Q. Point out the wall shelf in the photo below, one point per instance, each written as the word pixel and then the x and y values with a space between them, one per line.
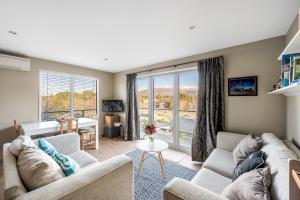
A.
pixel 292 47
pixel 292 90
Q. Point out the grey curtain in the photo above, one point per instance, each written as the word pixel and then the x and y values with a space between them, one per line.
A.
pixel 132 126
pixel 210 107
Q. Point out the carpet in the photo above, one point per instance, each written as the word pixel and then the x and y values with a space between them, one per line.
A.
pixel 150 184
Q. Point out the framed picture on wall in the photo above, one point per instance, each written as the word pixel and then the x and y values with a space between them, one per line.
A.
pixel 242 86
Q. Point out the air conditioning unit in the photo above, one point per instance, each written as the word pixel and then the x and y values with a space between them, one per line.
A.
pixel 14 63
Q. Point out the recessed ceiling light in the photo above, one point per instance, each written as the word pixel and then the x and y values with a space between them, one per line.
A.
pixel 192 27
pixel 12 32
pixel 105 59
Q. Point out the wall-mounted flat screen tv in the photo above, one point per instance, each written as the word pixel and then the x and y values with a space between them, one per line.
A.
pixel 112 106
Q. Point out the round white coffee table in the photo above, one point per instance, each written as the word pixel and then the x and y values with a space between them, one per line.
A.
pixel 152 148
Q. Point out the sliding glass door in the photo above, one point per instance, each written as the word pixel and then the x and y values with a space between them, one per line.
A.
pixel 188 82
pixel 169 101
pixel 143 88
pixel 164 106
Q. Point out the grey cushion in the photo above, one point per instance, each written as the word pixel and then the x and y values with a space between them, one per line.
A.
pixel 253 185
pixel 245 147
pixel 254 161
pixel 211 180
pixel 83 158
pixel 37 169
pixel 220 161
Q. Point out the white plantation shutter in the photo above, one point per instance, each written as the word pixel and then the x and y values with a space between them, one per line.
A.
pixel 63 94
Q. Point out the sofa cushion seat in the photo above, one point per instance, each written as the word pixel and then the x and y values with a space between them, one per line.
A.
pixel 220 161
pixel 83 158
pixel 211 180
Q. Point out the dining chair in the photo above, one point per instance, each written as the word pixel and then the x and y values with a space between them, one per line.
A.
pixel 69 122
pixel 17 127
pixel 88 135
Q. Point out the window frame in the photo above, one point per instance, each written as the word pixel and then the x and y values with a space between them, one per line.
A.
pixel 71 90
pixel 176 110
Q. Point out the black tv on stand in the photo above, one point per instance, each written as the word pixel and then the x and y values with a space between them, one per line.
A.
pixel 112 106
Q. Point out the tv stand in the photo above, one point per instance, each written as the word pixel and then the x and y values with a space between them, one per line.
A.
pixel 110 130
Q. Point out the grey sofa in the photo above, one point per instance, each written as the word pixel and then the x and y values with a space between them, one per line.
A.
pixel 111 179
pixel 216 172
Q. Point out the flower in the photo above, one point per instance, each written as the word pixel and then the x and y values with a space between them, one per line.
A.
pixel 150 129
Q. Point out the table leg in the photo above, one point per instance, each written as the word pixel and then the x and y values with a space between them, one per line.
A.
pixel 141 162
pixel 97 135
pixel 162 158
pixel 161 161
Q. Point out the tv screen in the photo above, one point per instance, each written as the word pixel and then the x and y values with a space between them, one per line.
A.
pixel 112 106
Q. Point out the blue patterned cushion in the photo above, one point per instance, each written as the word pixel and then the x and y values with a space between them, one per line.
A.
pixel 47 147
pixel 68 165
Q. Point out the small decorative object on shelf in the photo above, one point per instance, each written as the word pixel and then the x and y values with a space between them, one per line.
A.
pixel 277 85
pixel 150 130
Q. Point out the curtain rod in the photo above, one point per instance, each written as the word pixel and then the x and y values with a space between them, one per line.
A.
pixel 150 70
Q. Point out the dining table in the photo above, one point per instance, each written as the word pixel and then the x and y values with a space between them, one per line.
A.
pixel 40 128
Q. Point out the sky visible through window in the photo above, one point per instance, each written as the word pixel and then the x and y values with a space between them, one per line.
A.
pixel 188 80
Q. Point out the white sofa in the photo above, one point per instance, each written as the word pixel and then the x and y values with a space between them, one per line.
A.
pixel 216 172
pixel 111 179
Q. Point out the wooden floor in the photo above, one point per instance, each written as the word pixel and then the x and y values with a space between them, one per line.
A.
pixel 109 148
pixel 112 147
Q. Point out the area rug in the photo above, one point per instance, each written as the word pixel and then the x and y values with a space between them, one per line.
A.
pixel 149 185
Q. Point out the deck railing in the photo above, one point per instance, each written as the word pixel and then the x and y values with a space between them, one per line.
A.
pixel 53 115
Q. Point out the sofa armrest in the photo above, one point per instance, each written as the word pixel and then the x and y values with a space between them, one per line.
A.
pixel 180 189
pixel 66 143
pixel 12 183
pixel 111 179
pixel 228 141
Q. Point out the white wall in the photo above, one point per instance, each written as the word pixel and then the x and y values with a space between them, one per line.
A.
pixel 19 93
pixel 293 119
pixel 262 113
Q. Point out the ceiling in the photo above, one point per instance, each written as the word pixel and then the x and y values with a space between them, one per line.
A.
pixel 134 33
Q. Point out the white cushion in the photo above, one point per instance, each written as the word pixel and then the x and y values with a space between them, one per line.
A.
pixel 37 169
pixel 291 146
pixel 83 158
pixel 220 161
pixel 20 143
pixel 270 138
pixel 278 160
pixel 211 180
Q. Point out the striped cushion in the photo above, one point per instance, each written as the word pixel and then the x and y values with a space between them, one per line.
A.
pixel 68 165
pixel 47 147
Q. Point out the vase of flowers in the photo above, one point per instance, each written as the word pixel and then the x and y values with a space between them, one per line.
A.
pixel 150 130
